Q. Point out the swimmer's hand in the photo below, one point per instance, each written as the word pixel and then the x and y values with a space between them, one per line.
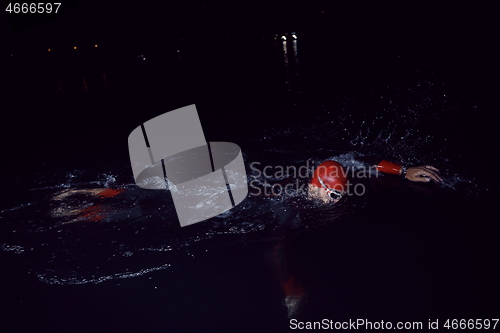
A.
pixel 423 173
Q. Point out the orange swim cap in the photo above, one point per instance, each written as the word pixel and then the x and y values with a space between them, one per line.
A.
pixel 332 174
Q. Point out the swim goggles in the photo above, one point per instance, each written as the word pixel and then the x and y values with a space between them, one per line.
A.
pixel 334 194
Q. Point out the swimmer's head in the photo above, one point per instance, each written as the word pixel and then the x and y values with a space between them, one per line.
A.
pixel 329 181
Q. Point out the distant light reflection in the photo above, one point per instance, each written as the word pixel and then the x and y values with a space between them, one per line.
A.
pixel 291 62
pixel 285 53
pixel 295 55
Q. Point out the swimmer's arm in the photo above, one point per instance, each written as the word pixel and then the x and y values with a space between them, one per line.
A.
pixel 423 173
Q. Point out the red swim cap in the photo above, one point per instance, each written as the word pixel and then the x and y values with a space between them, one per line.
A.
pixel 332 174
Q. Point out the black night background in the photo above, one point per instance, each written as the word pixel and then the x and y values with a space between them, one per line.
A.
pixel 288 82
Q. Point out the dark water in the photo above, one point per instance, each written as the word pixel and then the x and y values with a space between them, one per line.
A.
pixel 402 251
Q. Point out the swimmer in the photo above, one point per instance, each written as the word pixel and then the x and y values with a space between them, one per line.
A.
pixel 329 182
pixel 92 211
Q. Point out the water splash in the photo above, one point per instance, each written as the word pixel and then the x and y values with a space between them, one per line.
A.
pixel 139 232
